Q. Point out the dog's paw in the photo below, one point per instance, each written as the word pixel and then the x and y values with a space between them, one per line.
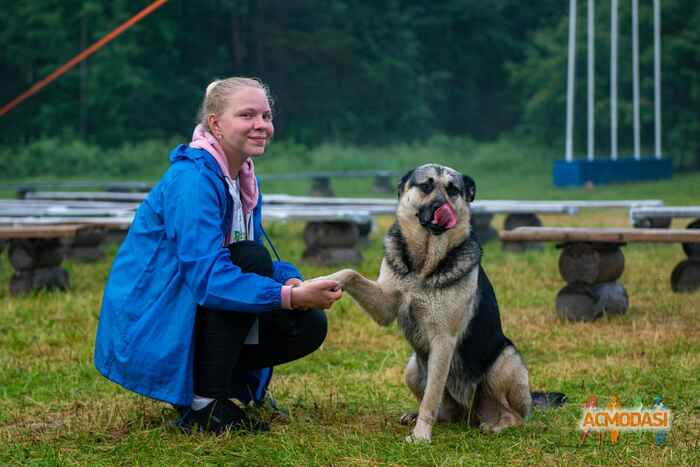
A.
pixel 341 277
pixel 408 418
pixel 422 433
pixel 488 428
pixel 415 438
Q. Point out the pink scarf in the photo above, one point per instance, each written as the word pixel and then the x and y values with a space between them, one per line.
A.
pixel 202 139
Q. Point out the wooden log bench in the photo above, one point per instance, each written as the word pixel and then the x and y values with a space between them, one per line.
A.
pixel 86 245
pixel 22 189
pixel 592 261
pixel 332 236
pixel 661 216
pixel 113 217
pixel 321 180
pixel 519 213
pixel 35 253
pixel 523 218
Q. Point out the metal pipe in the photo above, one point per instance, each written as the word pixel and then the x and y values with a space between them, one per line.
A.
pixel 591 80
pixel 613 79
pixel 570 83
pixel 635 76
pixel 657 79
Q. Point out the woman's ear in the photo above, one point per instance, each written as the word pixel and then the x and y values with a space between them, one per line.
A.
pixel 213 124
pixel 469 188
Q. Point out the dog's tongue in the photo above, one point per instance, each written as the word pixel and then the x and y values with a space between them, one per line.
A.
pixel 445 216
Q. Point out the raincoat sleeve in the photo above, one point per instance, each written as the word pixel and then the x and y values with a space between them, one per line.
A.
pixel 282 271
pixel 193 212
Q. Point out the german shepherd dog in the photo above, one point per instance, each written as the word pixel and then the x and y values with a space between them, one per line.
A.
pixel 431 281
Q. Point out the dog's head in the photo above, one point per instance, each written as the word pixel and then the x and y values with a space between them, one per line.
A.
pixel 437 196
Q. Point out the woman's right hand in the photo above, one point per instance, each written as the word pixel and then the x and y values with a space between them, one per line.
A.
pixel 320 293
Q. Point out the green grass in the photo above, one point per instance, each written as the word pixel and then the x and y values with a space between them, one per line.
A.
pixel 346 398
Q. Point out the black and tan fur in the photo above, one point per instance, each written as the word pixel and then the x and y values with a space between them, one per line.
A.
pixel 432 282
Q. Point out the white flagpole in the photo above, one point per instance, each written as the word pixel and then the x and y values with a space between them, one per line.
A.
pixel 591 81
pixel 570 83
pixel 635 75
pixel 613 79
pixel 657 79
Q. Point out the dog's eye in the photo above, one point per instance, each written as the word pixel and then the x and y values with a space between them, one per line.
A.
pixel 452 190
pixel 427 186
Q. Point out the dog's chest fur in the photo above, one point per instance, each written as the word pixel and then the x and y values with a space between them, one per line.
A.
pixel 441 302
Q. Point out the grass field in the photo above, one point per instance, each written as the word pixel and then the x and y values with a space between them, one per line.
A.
pixel 346 399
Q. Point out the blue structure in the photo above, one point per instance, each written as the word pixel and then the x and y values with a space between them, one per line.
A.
pixel 605 171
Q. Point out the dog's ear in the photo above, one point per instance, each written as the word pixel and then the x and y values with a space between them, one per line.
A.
pixel 402 184
pixel 469 188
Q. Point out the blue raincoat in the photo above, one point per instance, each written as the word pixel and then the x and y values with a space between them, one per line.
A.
pixel 172 260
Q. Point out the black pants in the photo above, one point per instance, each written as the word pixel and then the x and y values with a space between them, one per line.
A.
pixel 283 335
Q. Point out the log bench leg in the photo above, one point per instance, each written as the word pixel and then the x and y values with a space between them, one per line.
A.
pixel 116 236
pixel 37 265
pixel 332 242
pixel 364 229
pixel 686 275
pixel 653 223
pixel 481 224
pixel 382 184
pixel 321 186
pixel 590 271
pixel 85 247
pixel 521 220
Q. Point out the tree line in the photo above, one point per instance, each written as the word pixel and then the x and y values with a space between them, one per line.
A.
pixel 357 72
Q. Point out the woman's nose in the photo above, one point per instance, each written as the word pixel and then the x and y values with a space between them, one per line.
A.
pixel 261 122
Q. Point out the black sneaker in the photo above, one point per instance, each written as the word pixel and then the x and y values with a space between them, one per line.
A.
pixel 218 416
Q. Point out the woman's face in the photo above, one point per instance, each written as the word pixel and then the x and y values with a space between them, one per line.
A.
pixel 245 127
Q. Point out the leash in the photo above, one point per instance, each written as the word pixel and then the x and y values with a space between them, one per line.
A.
pixel 269 242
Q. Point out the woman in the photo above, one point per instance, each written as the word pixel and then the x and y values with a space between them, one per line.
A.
pixel 195 312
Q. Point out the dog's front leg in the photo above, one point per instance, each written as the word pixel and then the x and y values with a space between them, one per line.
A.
pixel 441 351
pixel 379 300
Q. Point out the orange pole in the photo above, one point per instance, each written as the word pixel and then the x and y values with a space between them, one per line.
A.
pixel 81 56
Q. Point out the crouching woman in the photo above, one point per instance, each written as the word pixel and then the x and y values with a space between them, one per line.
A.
pixel 195 312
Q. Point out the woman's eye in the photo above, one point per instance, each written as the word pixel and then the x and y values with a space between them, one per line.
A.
pixel 267 117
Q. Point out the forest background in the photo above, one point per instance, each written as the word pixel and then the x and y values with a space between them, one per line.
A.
pixel 351 73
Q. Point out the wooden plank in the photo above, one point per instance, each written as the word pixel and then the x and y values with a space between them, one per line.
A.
pixel 72 184
pixel 86 196
pixel 666 212
pixel 59 211
pixel 106 222
pixel 388 206
pixel 330 174
pixel 328 215
pixel 607 235
pixel 76 204
pixel 31 232
pixel 587 204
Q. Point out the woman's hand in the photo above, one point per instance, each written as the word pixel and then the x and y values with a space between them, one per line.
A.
pixel 320 293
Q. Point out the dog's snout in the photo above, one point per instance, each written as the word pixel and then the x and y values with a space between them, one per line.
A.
pixel 427 211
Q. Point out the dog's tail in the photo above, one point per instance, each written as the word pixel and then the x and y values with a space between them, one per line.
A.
pixel 546 400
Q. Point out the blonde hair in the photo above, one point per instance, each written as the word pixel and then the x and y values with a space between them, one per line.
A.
pixel 219 91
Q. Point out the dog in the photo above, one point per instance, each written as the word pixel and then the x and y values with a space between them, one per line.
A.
pixel 431 281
